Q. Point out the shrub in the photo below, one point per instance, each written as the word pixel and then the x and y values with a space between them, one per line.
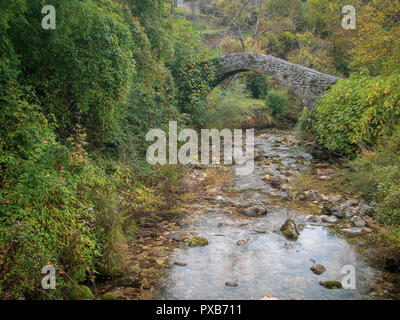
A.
pixel 305 130
pixel 258 86
pixel 81 73
pixel 377 175
pixel 277 102
pixel 226 109
pixel 356 112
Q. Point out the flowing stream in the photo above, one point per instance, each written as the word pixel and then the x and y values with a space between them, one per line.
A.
pixel 267 263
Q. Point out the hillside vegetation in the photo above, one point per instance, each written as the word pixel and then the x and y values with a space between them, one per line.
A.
pixel 76 104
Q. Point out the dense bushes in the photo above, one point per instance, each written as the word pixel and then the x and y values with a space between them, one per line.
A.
pixel 377 175
pixel 359 118
pixel 76 103
pixel 80 72
pixel 226 108
pixel 257 85
pixel 356 112
pixel 277 102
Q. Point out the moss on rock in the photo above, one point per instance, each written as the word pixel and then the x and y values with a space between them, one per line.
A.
pixel 81 292
pixel 198 242
pixel 332 284
pixel 289 230
pixel 109 296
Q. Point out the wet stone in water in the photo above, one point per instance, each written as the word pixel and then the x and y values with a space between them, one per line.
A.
pixel 318 269
pixel 232 284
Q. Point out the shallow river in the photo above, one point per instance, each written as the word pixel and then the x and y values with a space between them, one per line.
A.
pixel 268 264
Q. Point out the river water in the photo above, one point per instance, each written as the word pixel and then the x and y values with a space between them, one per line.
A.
pixel 267 264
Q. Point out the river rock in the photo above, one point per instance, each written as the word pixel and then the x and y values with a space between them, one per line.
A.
pixel 289 230
pixel 212 191
pixel 180 264
pixel 351 203
pixel 318 269
pixel 311 218
pixel 326 210
pixel 332 284
pixel 198 242
pixel 242 242
pixel 330 219
pixel 238 204
pixel 347 215
pixel 255 211
pixel 335 199
pixel 363 209
pixel 301 197
pixel 266 177
pixel 358 222
pixel 259 231
pixel 313 195
pixel 337 211
pixel 260 158
pixel 353 231
pixel 233 284
pixel 277 181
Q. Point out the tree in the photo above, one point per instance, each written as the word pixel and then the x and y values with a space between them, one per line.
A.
pixel 378 43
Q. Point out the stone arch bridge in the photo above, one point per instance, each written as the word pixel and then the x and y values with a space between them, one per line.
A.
pixel 308 84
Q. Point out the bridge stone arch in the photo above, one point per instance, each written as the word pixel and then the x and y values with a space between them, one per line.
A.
pixel 308 84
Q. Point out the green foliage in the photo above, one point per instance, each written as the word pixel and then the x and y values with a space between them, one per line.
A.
pixel 191 73
pixel 76 103
pixel 359 118
pixel 81 292
pixel 356 112
pixel 81 71
pixel 226 109
pixel 277 102
pixel 257 85
pixel 42 218
pixel 305 129
pixel 377 175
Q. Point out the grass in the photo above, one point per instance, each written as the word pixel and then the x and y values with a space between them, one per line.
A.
pixel 210 32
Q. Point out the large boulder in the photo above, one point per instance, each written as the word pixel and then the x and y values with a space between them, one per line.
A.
pixel 289 230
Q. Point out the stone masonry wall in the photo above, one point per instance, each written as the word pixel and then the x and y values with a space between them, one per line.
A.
pixel 306 83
